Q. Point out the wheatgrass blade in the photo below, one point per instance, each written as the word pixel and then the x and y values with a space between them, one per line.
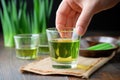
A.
pixel 8 36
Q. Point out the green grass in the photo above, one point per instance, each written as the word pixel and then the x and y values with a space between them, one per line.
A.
pixel 18 21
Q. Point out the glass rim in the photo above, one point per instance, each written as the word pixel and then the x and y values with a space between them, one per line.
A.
pixel 26 35
pixel 55 30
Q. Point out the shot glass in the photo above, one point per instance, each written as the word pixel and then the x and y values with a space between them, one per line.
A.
pixel 43 45
pixel 26 46
pixel 64 48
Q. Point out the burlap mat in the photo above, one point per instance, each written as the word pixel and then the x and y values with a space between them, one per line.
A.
pixel 86 67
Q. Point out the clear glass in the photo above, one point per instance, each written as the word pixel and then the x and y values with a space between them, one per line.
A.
pixel 43 46
pixel 64 48
pixel 26 46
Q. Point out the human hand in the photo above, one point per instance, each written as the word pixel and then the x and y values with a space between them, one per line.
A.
pixel 78 13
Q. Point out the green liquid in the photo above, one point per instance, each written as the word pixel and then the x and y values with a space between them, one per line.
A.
pixel 64 50
pixel 43 49
pixel 30 53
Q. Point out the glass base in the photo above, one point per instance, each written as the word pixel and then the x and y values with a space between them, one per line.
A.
pixel 64 65
pixel 27 57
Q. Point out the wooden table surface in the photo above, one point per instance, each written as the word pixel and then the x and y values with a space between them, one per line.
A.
pixel 9 68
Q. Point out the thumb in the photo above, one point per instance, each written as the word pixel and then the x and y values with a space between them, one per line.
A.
pixel 83 21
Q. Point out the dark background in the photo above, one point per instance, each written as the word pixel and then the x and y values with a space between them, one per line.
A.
pixel 108 20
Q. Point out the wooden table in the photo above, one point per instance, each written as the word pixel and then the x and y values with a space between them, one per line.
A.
pixel 9 68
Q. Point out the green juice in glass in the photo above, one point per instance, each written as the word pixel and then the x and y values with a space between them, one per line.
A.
pixel 26 53
pixel 43 49
pixel 64 51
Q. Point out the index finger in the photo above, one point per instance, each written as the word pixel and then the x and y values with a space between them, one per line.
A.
pixel 61 15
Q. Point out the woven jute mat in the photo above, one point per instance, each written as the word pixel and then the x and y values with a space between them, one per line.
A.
pixel 86 66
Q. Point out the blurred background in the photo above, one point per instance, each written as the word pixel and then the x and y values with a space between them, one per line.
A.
pixel 108 20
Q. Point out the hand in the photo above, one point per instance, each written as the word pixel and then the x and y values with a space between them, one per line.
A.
pixel 78 13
